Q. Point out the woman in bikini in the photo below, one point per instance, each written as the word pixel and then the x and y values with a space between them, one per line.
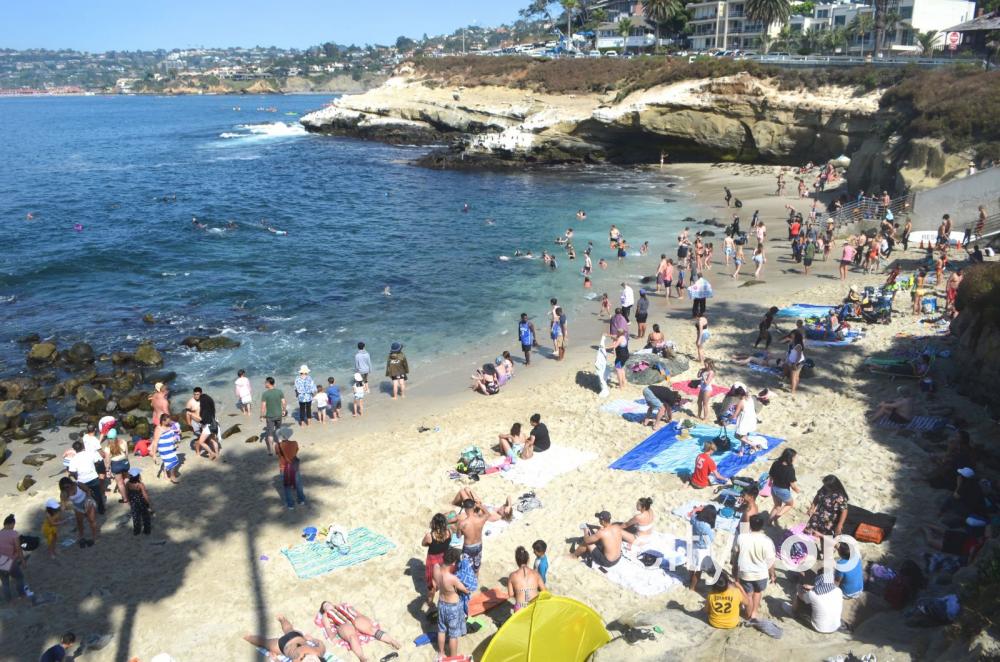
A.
pixel 655 339
pixel 641 524
pixel 701 336
pixel 347 623
pixel 512 444
pixel 292 644
pixel 524 583
pixel 436 541
pixel 706 376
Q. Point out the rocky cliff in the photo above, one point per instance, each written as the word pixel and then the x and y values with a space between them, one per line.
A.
pixel 732 118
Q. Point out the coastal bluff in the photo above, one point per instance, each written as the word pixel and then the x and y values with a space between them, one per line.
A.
pixel 732 118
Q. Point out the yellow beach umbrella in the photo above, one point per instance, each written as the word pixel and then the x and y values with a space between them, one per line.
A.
pixel 551 628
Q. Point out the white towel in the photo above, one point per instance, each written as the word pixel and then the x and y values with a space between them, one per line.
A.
pixel 729 524
pixel 633 575
pixel 543 467
pixel 673 549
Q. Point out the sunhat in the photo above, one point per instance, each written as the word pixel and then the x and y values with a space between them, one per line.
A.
pixel 303 369
pixel 396 347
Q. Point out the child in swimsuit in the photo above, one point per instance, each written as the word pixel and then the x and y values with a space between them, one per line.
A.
pixel 50 527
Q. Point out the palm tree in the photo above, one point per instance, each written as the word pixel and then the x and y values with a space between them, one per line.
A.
pixel 889 24
pixel 768 12
pixel 928 41
pixel 568 6
pixel 766 41
pixel 661 11
pixel 624 28
pixel 860 27
pixel 881 7
pixel 836 38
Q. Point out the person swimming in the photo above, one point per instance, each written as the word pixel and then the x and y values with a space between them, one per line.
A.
pixel 387 292
pixel 466 208
pixel 78 227
pixel 196 225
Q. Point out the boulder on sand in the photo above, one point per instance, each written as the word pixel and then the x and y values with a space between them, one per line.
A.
pixel 10 411
pixel 146 355
pixel 42 353
pixel 25 483
pixel 37 459
pixel 231 431
pixel 90 400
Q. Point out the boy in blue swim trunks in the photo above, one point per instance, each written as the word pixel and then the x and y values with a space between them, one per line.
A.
pixel 451 614
pixel 333 395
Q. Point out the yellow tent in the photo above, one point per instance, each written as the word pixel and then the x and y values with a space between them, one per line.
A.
pixel 552 628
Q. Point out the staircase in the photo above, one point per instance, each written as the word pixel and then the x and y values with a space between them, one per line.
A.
pixel 865 214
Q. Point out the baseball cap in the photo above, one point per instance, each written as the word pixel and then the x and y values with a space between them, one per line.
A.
pixel 52 503
pixel 966 472
pixel 603 516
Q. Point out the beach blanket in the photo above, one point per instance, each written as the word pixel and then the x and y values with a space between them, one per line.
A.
pixel 329 657
pixel 312 559
pixel 917 423
pixel 729 524
pixel 631 574
pixel 482 601
pixel 671 549
pixel 664 452
pixel 766 369
pixel 633 411
pixel 805 310
pixel 684 386
pixel 818 337
pixel 544 466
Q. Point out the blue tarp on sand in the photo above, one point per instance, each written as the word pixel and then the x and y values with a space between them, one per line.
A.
pixel 805 310
pixel 663 452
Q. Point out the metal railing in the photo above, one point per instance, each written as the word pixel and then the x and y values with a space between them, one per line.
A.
pixel 854 61
pixel 857 216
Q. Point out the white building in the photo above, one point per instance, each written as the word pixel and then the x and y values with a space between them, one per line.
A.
pixel 914 15
pixel 642 36
pixel 723 24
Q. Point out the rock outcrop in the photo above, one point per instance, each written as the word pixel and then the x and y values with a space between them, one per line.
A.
pixel 210 343
pixel 735 118
pixel 147 356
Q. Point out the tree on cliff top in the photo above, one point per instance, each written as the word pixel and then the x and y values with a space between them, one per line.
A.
pixel 624 28
pixel 768 12
pixel 569 6
pixel 660 12
pixel 928 41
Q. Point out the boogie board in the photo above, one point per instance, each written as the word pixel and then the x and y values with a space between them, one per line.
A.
pixel 482 601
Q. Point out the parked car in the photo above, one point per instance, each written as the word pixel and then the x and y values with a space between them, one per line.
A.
pixel 610 53
pixel 594 53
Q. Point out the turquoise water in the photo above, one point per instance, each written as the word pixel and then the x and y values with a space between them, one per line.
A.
pixel 358 218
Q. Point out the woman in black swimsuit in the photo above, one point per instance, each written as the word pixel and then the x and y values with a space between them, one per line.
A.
pixel 292 644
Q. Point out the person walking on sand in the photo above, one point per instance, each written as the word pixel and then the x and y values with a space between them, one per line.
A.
pixel 201 417
pixel 846 258
pixel 729 195
pixel 642 313
pixel 291 477
pixel 526 334
pixel 139 504
pixel 627 299
pixel 759 260
pixel 705 378
pixel 166 436
pixel 451 615
pixel 272 409
pixel 661 274
pixel 397 369
pixel 10 549
pixel 160 401
pixel 738 261
pixel 363 364
pixel 305 390
pixel 701 336
pixel 244 394
pixel 436 540
pixel 756 558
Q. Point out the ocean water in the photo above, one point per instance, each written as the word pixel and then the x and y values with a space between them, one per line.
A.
pixel 104 248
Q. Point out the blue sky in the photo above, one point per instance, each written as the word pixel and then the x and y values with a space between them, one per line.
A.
pixel 101 25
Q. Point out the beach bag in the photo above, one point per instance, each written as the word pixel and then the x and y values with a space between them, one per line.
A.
pixel 30 543
pixel 869 533
pixel 6 563
pixel 470 454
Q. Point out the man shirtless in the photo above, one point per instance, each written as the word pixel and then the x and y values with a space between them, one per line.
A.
pixel 160 400
pixel 292 644
pixel 200 415
pixel 603 545
pixel 470 525
pixel 451 615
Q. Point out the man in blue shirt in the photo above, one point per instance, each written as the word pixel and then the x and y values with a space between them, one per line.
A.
pixel 849 574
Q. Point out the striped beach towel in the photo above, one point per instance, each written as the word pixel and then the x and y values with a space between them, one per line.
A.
pixel 917 423
pixel 312 559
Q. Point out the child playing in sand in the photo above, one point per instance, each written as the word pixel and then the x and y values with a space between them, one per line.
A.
pixel 320 402
pixel 605 306
pixel 359 395
pixel 333 396
pixel 50 527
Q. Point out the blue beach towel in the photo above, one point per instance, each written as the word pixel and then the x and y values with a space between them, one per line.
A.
pixel 663 452
pixel 766 369
pixel 805 310
pixel 467 575
pixel 312 559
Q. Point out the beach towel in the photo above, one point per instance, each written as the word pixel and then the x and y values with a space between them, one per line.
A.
pixel 917 423
pixel 805 310
pixel 329 657
pixel 544 466
pixel 671 550
pixel 631 574
pixel 766 369
pixel 664 452
pixel 467 575
pixel 312 559
pixel 684 386
pixel 729 524
pixel 633 411
pixel 481 602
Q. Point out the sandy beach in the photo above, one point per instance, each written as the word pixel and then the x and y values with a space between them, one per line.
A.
pixel 213 568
